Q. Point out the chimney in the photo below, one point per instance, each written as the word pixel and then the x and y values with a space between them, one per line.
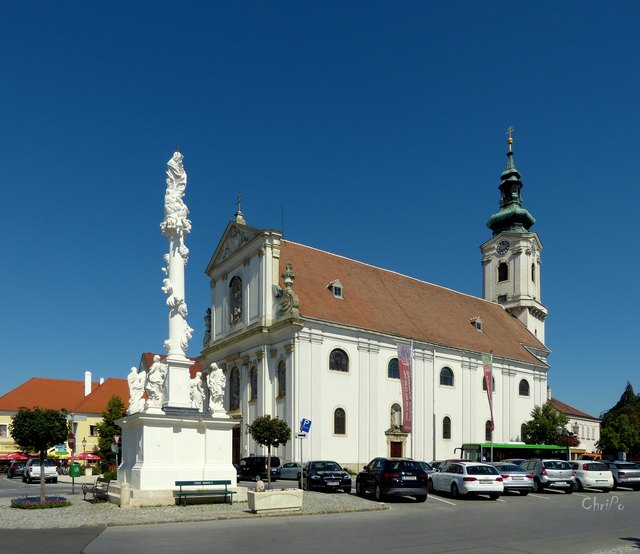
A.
pixel 101 380
pixel 87 383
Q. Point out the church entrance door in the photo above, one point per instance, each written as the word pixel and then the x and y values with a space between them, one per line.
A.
pixel 396 449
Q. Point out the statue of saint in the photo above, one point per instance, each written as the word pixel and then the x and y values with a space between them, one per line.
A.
pixel 155 382
pixel 136 390
pixel 196 391
pixel 216 382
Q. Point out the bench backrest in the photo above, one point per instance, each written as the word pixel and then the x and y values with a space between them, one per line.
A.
pixel 201 483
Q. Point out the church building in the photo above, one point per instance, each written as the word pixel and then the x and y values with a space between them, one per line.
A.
pixel 304 333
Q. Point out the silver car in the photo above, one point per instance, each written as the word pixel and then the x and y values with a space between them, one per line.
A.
pixel 515 478
pixel 551 474
pixel 291 470
pixel 625 474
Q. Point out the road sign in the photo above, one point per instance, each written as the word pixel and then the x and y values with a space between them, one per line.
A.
pixel 305 425
pixel 116 438
pixel 301 435
pixel 71 439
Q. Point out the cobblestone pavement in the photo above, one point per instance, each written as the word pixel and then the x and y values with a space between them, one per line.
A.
pixel 86 514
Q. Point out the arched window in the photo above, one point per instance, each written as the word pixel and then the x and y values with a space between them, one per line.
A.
pixel 446 428
pixel 235 299
pixel 493 383
pixel 396 416
pixel 446 377
pixel 282 378
pixel 487 431
pixel 393 370
pixel 533 272
pixel 339 422
pixel 523 388
pixel 523 427
pixel 503 271
pixel 253 383
pixel 234 389
pixel 338 360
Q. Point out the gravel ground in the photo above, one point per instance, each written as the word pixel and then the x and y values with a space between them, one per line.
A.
pixel 86 514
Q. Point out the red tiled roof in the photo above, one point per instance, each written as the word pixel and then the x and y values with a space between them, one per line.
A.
pixel 97 401
pixel 390 303
pixel 570 410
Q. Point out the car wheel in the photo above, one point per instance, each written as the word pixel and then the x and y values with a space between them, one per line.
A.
pixel 494 496
pixel 569 490
pixel 579 486
pixel 378 493
pixel 9 476
pixel 606 489
pixel 524 493
pixel 455 493
pixel 636 488
pixel 615 485
pixel 430 485
pixel 24 479
pixel 55 480
pixel 538 486
pixel 421 498
pixel 347 490
pixel 359 489
pixel 29 480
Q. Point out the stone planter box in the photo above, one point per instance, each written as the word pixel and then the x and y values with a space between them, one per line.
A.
pixel 280 500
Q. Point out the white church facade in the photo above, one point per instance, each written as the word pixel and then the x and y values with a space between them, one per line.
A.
pixel 303 333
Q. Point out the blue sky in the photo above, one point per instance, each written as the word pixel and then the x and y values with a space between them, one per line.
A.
pixel 375 130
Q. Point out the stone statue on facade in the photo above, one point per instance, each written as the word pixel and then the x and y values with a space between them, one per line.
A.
pixel 216 382
pixel 196 391
pixel 207 328
pixel 289 302
pixel 155 382
pixel 136 390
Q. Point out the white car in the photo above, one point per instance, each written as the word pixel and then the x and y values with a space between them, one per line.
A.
pixel 594 475
pixel 459 478
pixel 31 471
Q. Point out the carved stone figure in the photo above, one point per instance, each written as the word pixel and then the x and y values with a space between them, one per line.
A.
pixel 396 417
pixel 207 328
pixel 216 382
pixel 175 221
pixel 289 302
pixel 196 391
pixel 136 390
pixel 155 382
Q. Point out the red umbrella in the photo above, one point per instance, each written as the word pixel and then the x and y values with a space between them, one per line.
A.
pixel 14 456
pixel 89 456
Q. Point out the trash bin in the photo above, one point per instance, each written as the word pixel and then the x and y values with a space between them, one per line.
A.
pixel 75 470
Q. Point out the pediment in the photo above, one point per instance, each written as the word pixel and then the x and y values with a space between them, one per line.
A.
pixel 234 238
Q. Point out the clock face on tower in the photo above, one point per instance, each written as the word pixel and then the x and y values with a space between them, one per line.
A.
pixel 502 247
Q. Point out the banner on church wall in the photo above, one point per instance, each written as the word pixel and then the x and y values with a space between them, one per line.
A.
pixel 487 363
pixel 406 367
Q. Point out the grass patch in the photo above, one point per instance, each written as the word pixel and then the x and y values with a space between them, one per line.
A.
pixel 33 502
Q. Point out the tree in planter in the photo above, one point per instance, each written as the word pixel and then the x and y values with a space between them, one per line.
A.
pixel 543 427
pixel 39 429
pixel 269 432
pixel 107 428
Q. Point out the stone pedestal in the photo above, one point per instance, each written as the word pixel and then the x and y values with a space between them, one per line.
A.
pixel 159 449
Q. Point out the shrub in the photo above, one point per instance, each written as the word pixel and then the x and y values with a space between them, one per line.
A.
pixel 34 502
pixel 111 474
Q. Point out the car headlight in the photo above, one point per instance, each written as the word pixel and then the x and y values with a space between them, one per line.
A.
pixel 315 477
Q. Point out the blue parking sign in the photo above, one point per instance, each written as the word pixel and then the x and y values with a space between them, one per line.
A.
pixel 305 425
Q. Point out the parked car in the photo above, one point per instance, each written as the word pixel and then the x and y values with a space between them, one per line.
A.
pixel 427 467
pixel 553 474
pixel 595 475
pixel 393 476
pixel 516 461
pixel 625 474
pixel 15 469
pixel 435 464
pixel 325 475
pixel 291 470
pixel 514 478
pixel 460 478
pixel 31 471
pixel 254 468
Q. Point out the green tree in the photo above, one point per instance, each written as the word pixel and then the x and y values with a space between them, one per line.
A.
pixel 107 428
pixel 37 430
pixel 543 426
pixel 269 432
pixel 620 427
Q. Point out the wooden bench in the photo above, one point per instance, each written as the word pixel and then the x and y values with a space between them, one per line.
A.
pixel 100 490
pixel 184 492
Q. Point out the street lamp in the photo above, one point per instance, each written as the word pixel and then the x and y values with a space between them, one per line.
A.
pixel 84 445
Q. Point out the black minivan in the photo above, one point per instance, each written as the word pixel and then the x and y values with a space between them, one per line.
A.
pixel 254 468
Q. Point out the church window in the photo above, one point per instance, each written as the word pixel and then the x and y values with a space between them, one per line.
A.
pixel 235 299
pixel 523 428
pixel 282 379
pixel 502 298
pixel 446 377
pixel 393 370
pixel 234 388
pixel 338 360
pixel 533 272
pixel 523 388
pixel 396 416
pixel 493 383
pixel 339 422
pixel 446 428
pixel 487 431
pixel 253 383
pixel 503 272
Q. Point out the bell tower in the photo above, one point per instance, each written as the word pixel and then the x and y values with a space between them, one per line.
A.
pixel 511 257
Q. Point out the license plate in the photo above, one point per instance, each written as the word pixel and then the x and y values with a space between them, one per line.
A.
pixel 409 477
pixel 559 484
pixel 518 478
pixel 333 483
pixel 601 480
pixel 485 482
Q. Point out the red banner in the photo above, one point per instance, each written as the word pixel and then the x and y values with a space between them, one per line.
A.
pixel 487 363
pixel 405 366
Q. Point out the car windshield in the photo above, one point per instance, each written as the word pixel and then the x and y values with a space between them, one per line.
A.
pixel 403 465
pixel 325 466
pixel 481 470
pixel 556 464
pixel 597 466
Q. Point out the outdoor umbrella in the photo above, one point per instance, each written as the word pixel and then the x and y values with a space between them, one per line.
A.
pixel 89 456
pixel 14 456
